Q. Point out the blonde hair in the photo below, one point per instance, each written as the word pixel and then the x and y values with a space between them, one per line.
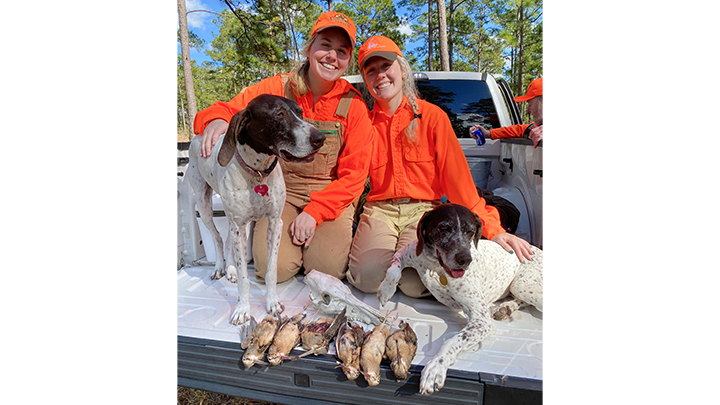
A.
pixel 410 91
pixel 298 77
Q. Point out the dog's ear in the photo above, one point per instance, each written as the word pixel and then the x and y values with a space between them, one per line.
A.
pixel 421 228
pixel 229 145
pixel 478 229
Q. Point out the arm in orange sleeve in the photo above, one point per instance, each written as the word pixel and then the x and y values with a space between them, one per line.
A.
pixel 352 170
pixel 225 110
pixel 512 131
pixel 455 177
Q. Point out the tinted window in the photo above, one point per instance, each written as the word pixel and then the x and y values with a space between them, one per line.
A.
pixel 466 102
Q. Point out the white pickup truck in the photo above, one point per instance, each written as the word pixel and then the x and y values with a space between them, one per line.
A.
pixel 507 369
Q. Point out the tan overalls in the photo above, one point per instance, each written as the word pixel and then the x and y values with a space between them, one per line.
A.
pixel 329 249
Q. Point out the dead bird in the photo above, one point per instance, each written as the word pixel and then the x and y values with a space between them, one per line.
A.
pixel 260 339
pixel 317 336
pixel 348 343
pixel 400 349
pixel 372 353
pixel 287 337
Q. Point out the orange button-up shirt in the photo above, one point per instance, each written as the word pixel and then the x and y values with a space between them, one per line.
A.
pixel 433 167
pixel 358 134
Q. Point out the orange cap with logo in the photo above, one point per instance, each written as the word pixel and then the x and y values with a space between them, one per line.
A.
pixel 335 19
pixel 378 46
pixel 534 90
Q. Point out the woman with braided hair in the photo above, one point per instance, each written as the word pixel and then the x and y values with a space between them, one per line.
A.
pixel 416 159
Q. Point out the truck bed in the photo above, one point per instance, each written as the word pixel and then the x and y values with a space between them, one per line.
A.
pixel 506 369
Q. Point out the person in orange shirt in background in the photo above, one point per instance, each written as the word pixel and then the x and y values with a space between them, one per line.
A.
pixel 319 210
pixel 416 160
pixel 532 131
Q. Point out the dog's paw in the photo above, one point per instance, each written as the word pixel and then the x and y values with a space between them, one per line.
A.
pixel 218 274
pixel 432 378
pixel 501 313
pixel 232 274
pixel 385 292
pixel 389 285
pixel 241 314
pixel 274 306
pixel 504 311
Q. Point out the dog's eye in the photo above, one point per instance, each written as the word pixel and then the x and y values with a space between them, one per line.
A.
pixel 280 113
pixel 326 298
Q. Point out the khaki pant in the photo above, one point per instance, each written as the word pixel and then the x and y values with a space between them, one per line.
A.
pixel 329 249
pixel 384 228
pixel 327 253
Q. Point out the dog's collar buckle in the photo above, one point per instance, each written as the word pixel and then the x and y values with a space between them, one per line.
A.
pixel 257 174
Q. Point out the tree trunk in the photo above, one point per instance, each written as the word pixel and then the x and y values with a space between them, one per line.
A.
pixel 451 37
pixel 479 51
pixel 187 66
pixel 519 59
pixel 430 37
pixel 442 28
pixel 182 109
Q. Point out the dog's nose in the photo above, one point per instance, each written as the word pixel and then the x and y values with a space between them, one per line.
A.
pixel 463 259
pixel 316 138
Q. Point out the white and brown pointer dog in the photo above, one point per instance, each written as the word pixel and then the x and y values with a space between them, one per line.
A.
pixel 251 186
pixel 465 273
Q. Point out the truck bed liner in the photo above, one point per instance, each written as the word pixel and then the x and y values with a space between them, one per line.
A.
pixel 508 364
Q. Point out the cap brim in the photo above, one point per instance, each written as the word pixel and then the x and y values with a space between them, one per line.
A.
pixel 391 56
pixel 523 98
pixel 352 40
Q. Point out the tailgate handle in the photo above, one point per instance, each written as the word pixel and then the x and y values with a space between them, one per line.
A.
pixel 301 380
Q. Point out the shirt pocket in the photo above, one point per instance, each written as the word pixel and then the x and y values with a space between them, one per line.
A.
pixel 379 158
pixel 419 165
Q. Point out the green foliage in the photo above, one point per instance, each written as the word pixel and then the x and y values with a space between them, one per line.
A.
pixel 501 37
pixel 521 29
pixel 371 17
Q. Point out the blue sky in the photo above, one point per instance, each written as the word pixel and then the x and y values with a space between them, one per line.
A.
pixel 201 24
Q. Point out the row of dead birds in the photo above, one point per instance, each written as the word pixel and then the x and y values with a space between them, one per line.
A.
pixel 359 352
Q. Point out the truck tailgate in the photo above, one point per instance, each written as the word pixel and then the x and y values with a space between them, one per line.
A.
pixel 209 351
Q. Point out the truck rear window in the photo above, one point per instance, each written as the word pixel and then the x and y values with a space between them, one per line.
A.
pixel 466 102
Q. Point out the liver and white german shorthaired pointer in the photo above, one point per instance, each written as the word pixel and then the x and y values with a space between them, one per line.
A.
pixel 465 273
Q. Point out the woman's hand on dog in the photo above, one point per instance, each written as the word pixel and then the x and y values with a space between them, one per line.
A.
pixel 513 244
pixel 303 229
pixel 212 132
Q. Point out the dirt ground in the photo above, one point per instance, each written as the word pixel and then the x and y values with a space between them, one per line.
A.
pixel 183 136
pixel 190 396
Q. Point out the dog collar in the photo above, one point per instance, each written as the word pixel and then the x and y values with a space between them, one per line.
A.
pixel 257 174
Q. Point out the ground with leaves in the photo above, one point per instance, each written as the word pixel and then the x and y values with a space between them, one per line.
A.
pixel 190 396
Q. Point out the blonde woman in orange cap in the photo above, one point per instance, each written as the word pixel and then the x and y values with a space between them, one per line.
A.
pixel 416 160
pixel 318 215
pixel 532 131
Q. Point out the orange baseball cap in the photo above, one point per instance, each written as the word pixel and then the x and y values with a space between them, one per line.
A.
pixel 534 90
pixel 335 19
pixel 378 46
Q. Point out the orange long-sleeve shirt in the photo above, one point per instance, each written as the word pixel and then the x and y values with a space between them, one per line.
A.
pixel 512 131
pixel 358 134
pixel 433 167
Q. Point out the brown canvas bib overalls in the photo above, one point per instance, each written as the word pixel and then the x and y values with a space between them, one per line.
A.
pixel 330 247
